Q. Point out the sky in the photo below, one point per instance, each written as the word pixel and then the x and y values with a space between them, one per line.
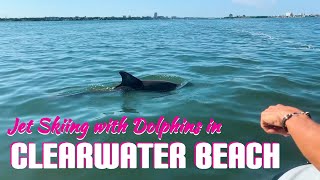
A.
pixel 180 8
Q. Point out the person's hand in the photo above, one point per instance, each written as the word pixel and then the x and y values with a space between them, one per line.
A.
pixel 271 118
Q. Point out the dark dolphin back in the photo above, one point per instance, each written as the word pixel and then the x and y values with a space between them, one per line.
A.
pixel 129 82
pixel 162 86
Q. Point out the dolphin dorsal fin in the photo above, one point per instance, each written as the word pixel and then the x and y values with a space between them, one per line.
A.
pixel 130 80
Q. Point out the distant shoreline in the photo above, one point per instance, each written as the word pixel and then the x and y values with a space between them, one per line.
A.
pixel 77 18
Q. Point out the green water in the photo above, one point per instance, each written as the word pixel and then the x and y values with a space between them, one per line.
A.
pixel 237 68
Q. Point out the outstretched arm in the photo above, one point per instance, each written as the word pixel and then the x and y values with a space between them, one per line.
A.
pixel 304 131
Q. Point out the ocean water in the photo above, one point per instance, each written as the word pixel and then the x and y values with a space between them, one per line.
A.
pixel 234 70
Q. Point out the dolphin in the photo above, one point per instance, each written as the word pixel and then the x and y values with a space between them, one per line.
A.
pixel 129 82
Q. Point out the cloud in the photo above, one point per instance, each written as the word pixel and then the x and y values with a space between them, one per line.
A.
pixel 255 3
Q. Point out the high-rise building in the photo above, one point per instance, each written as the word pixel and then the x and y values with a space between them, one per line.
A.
pixel 155 16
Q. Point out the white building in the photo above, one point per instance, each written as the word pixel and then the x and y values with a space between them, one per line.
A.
pixel 289 14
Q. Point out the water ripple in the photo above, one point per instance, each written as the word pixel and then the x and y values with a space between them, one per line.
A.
pixel 237 68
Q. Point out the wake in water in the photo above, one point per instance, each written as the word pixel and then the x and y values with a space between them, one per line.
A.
pixel 109 88
pixel 76 91
pixel 293 44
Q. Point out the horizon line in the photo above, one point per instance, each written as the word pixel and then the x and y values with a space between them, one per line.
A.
pixel 162 16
